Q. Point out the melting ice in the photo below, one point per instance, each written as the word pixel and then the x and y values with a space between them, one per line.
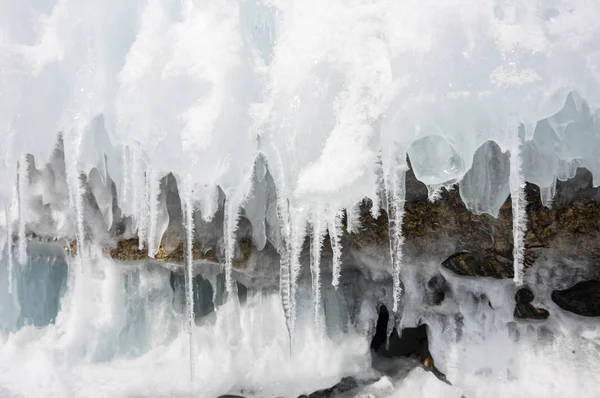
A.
pixel 102 101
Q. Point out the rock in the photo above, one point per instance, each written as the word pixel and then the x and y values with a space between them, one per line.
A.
pixel 345 385
pixel 582 299
pixel 524 296
pixel 436 289
pixel 486 265
pixel 524 309
pixel 528 311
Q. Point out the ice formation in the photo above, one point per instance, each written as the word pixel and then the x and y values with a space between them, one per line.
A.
pixel 200 89
pixel 335 101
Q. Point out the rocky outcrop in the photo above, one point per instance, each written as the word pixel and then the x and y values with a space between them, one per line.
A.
pixel 524 309
pixel 582 299
pixel 479 265
pixel 474 245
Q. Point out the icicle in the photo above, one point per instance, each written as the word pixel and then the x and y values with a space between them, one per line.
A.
pixel 22 184
pixel 234 201
pixel 353 218
pixel 391 324
pixel 76 200
pixel 135 188
pixel 396 192
pixel 298 219
pixel 335 227
pixel 230 228
pixel 189 231
pixel 9 232
pixel 380 199
pixel 143 204
pixel 154 203
pixel 285 289
pixel 126 178
pixel 284 246
pixel 519 216
pixel 316 245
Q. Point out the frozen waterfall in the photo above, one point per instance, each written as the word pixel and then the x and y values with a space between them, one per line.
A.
pixel 268 152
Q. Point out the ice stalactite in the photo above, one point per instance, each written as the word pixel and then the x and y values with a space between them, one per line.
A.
pixel 23 183
pixel 126 201
pixel 9 247
pixel 353 218
pixel 230 227
pixel 188 225
pixel 234 202
pixel 316 244
pixel 298 234
pixel 140 199
pixel 285 285
pixel 284 244
pixel 396 195
pixel 519 202
pixel 72 150
pixel 335 227
pixel 154 203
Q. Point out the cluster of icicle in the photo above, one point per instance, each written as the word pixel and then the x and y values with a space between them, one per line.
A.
pixel 201 89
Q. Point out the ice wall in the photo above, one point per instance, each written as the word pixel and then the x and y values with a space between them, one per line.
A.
pixel 330 95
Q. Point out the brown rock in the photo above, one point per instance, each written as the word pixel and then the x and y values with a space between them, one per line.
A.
pixel 582 299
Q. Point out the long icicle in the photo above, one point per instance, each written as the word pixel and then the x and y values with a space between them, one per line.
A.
pixel 298 219
pixel 335 228
pixel 519 215
pixel 189 231
pixel 284 245
pixel 230 228
pixel 153 204
pixel 23 182
pixel 77 199
pixel 125 200
pixel 143 210
pixel 396 198
pixel 234 202
pixel 316 244
pixel 9 247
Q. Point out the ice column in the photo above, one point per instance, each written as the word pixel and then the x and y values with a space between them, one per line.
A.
pixel 9 247
pixel 316 244
pixel 519 202
pixel 334 226
pixel 188 226
pixel 396 194
pixel 23 182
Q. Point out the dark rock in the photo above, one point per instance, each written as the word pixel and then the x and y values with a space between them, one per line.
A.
pixel 436 290
pixel 582 299
pixel 524 309
pixel 528 311
pixel 479 265
pixel 345 385
pixel 524 296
